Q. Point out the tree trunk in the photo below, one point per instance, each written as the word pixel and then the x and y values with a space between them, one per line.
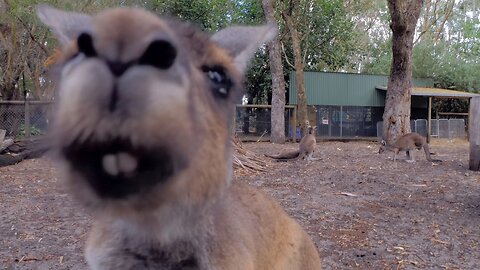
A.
pixel 277 116
pixel 396 117
pixel 299 74
pixel 474 134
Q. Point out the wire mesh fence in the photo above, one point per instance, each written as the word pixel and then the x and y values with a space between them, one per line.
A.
pixel 23 119
pixel 347 121
pixel 254 121
pixel 441 128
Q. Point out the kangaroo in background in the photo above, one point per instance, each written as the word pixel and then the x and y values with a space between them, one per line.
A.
pixel 407 143
pixel 306 148
pixel 141 132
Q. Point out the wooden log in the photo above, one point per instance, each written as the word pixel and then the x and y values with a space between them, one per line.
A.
pixel 7 160
pixel 25 149
pixel 5 144
pixel 474 133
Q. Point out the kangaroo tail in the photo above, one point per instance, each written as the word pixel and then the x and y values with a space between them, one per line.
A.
pixel 427 154
pixel 285 156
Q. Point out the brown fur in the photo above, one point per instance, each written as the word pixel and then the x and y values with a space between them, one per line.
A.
pixel 306 148
pixel 407 143
pixel 179 208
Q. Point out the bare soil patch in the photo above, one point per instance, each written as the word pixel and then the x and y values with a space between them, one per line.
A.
pixel 363 210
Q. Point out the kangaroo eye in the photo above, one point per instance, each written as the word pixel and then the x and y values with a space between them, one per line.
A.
pixel 221 84
pixel 160 54
pixel 85 45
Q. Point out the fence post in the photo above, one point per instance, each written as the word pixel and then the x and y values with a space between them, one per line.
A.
pixel 294 125
pixel 429 121
pixel 27 118
pixel 474 133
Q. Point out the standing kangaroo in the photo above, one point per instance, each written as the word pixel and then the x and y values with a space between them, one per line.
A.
pixel 142 134
pixel 407 143
pixel 306 148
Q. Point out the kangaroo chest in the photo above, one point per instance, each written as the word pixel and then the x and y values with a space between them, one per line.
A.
pixel 172 257
pixel 160 259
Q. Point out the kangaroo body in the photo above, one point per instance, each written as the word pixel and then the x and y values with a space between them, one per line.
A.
pixel 306 148
pixel 407 143
pixel 142 136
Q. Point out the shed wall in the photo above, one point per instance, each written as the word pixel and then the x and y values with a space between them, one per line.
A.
pixel 347 89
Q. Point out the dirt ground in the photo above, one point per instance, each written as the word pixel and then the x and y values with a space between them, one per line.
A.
pixel 362 210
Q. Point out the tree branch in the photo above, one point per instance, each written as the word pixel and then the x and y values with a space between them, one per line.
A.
pixel 285 54
pixel 32 37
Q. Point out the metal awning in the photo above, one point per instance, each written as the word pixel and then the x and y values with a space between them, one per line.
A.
pixel 435 92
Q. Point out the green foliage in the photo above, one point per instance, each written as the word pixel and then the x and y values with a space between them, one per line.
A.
pixel 381 60
pixel 336 35
pixel 450 55
pixel 210 15
pixel 259 80
pixel 332 39
pixel 449 67
pixel 328 39
pixel 34 131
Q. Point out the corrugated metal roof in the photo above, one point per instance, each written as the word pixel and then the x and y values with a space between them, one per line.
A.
pixel 435 92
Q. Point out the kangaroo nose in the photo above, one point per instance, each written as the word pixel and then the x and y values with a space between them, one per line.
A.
pixel 160 53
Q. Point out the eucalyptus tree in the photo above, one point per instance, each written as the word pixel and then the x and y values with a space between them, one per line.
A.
pixel 277 115
pixel 320 37
pixel 396 117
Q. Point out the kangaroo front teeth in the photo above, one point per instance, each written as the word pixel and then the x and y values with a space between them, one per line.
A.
pixel 120 163
pixel 110 166
pixel 126 163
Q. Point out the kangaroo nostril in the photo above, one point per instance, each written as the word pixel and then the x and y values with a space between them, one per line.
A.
pixel 160 54
pixel 113 99
pixel 85 45
pixel 118 68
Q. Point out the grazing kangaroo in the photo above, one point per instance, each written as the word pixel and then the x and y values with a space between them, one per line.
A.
pixel 407 143
pixel 142 131
pixel 306 148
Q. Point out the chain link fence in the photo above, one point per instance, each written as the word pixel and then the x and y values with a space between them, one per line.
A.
pixel 441 128
pixel 347 121
pixel 254 121
pixel 24 119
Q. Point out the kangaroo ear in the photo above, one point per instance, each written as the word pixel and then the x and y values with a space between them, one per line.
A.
pixel 66 25
pixel 243 41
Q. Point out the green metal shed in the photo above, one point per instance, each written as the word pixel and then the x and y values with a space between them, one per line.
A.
pixel 345 89
pixel 350 104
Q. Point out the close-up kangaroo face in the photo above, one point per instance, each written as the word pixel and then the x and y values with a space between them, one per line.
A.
pixel 142 133
pixel 144 107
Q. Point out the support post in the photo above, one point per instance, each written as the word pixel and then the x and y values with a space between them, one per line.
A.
pixel 474 133
pixel 27 118
pixel 234 123
pixel 294 125
pixel 429 128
